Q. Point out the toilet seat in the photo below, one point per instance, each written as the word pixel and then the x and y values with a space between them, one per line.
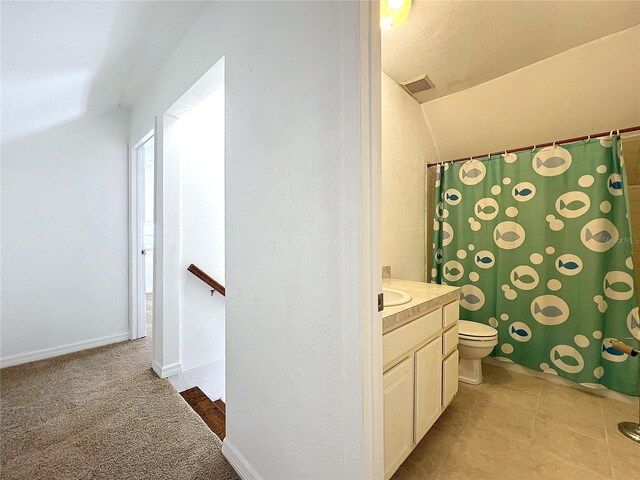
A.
pixel 475 331
pixel 477 339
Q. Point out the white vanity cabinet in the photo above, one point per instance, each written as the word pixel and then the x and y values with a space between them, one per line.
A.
pixel 449 378
pixel 398 405
pixel 449 364
pixel 428 387
pixel 420 379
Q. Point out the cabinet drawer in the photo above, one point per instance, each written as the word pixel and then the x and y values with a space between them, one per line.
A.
pixel 401 340
pixel 449 378
pixel 450 313
pixel 449 340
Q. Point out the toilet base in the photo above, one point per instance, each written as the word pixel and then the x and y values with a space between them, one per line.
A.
pixel 470 371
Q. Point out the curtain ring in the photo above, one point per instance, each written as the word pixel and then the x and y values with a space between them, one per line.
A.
pixel 534 147
pixel 554 144
pixel 618 132
pixel 588 138
pixel 611 133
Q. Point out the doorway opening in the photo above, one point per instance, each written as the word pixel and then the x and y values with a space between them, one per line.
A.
pixel 189 304
pixel 142 235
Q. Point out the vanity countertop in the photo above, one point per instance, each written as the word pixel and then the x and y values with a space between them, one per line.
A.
pixel 425 297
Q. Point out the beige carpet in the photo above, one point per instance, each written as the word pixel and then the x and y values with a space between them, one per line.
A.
pixel 102 414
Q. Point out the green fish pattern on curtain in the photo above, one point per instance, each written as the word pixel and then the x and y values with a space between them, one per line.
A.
pixel 540 243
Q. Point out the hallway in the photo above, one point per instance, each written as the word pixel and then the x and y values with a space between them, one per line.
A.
pixel 102 413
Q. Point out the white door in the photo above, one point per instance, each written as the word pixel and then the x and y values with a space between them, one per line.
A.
pixel 398 415
pixel 428 386
pixel 149 206
pixel 142 238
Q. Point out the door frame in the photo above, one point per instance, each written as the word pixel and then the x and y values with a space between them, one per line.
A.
pixel 167 269
pixel 363 238
pixel 370 226
pixel 137 300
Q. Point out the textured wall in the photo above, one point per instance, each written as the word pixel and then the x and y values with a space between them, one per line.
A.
pixel 592 88
pixel 406 148
pixel 631 152
pixel 292 108
pixel 634 217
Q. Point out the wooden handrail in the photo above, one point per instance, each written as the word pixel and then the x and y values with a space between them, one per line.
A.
pixel 207 279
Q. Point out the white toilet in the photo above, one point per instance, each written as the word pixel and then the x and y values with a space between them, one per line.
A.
pixel 475 341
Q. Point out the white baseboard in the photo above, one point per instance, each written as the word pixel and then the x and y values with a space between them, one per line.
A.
pixel 167 370
pixel 603 392
pixel 240 464
pixel 27 357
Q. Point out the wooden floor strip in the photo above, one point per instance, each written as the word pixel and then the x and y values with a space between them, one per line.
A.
pixel 213 413
pixel 220 404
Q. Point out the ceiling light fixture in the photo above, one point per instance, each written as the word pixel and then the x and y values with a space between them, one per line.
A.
pixel 393 13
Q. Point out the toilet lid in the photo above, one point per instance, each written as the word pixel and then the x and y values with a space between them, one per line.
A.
pixel 475 329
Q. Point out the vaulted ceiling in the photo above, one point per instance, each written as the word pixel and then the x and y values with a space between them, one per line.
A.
pixel 61 60
pixel 459 44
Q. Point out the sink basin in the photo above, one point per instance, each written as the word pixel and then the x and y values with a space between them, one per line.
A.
pixel 393 298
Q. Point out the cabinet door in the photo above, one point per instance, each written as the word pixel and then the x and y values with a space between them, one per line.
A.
pixel 428 395
pixel 398 415
pixel 449 378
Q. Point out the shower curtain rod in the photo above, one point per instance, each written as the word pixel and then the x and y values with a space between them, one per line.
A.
pixel 548 144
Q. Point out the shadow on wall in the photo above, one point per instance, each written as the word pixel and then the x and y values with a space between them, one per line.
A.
pixel 98 56
pixel 64 215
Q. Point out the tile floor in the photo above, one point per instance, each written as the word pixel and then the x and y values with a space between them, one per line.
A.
pixel 514 426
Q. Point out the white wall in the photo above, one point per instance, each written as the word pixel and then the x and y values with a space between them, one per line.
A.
pixel 592 88
pixel 149 207
pixel 406 148
pixel 294 375
pixel 201 133
pixel 64 238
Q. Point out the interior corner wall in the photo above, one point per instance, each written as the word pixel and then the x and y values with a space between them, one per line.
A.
pixel 591 88
pixel 65 238
pixel 292 130
pixel 406 148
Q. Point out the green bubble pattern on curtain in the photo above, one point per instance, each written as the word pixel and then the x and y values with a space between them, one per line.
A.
pixel 540 243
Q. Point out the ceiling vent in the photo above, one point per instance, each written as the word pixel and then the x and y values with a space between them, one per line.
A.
pixel 418 85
